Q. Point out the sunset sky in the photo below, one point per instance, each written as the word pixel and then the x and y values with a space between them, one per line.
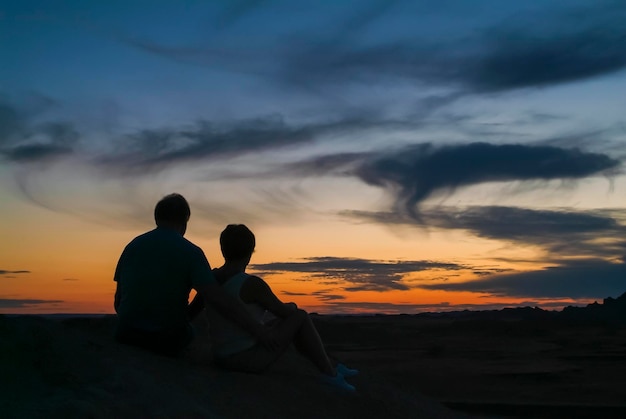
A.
pixel 390 156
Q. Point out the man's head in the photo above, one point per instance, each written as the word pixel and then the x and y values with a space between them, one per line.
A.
pixel 172 211
pixel 237 242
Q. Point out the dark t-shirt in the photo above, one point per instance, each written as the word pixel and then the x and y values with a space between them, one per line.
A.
pixel 155 274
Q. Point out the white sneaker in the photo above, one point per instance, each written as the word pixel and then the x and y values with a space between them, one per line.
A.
pixel 338 381
pixel 345 371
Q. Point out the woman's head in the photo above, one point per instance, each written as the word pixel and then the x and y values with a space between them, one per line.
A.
pixel 237 242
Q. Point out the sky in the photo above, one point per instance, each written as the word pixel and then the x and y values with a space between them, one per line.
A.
pixel 390 156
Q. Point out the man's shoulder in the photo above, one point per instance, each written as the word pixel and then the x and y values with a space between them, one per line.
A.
pixel 161 235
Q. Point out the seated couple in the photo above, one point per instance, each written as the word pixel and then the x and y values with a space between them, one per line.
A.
pixel 250 327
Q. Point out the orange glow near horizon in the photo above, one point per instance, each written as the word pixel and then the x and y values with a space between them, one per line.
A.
pixel 66 265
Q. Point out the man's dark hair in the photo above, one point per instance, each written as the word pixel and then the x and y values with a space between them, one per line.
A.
pixel 237 242
pixel 172 209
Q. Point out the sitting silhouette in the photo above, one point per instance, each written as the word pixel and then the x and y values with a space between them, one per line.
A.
pixel 236 349
pixel 155 274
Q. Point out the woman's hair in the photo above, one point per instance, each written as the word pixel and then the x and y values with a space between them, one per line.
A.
pixel 172 209
pixel 237 242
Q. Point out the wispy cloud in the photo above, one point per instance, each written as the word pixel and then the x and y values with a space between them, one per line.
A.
pixel 26 303
pixel 157 148
pixel 560 232
pixel 328 295
pixel 529 50
pixel 23 141
pixel 496 58
pixel 9 273
pixel 354 274
pixel 591 278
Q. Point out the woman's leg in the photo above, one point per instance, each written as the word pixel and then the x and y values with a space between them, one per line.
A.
pixel 300 330
pixel 308 342
pixel 258 358
pixel 297 329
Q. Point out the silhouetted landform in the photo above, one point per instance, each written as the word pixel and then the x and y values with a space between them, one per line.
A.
pixel 610 311
pixel 514 363
pixel 72 368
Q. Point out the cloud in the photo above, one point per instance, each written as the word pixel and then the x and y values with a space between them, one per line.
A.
pixel 341 164
pixel 9 272
pixel 23 141
pixel 35 152
pixel 522 59
pixel 591 278
pixel 496 58
pixel 595 236
pixel 25 303
pixel 326 295
pixel 293 293
pixel 561 232
pixel 416 172
pixel 559 45
pixel 157 148
pixel 356 274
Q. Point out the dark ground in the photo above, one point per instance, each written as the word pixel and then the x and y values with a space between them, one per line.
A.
pixel 515 363
pixel 520 363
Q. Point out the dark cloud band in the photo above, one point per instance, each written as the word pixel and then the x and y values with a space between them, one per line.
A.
pixel 354 274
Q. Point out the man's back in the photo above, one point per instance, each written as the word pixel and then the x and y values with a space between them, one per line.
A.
pixel 155 275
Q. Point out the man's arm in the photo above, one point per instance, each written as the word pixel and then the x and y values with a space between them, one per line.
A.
pixel 196 306
pixel 232 309
pixel 255 290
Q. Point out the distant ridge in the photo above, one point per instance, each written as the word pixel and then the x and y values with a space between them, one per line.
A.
pixel 611 311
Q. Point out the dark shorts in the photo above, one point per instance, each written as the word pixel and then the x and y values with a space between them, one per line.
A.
pixel 166 342
pixel 256 359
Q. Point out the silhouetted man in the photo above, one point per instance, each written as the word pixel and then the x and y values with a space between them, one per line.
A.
pixel 155 275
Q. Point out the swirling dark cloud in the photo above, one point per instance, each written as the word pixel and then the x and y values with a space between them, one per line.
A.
pixel 416 172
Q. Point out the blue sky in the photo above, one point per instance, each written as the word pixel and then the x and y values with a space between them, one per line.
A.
pixel 499 120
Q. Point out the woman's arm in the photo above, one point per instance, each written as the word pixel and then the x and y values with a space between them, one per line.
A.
pixel 255 290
